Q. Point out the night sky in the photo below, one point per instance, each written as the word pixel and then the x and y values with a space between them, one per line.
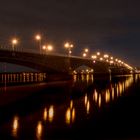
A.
pixel 111 26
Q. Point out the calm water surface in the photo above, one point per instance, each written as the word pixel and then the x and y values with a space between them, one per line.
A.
pixel 83 108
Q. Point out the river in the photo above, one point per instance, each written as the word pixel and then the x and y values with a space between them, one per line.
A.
pixel 82 108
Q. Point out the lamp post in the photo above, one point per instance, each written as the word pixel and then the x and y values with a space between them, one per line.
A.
pixel 69 46
pixel 47 48
pixel 98 53
pixel 14 43
pixel 38 38
pixel 86 50
pixel 44 49
pixel 85 53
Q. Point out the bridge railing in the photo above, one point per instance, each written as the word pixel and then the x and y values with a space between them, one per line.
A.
pixel 29 50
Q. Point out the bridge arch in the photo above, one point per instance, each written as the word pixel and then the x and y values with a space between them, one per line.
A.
pixel 55 63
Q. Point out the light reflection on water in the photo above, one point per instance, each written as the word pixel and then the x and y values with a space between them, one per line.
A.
pixel 70 114
pixel 51 113
pixel 39 130
pixel 48 114
pixel 15 126
pixel 22 77
pixel 74 109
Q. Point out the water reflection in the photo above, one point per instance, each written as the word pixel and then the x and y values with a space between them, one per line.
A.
pixel 113 93
pixel 87 103
pixel 78 106
pixel 39 130
pixel 51 113
pixel 88 106
pixel 15 126
pixel 83 77
pixel 45 114
pixel 71 104
pixel 100 100
pixel 70 114
pixel 107 96
pixel 22 77
pixel 48 114
pixel 95 96
pixel 86 99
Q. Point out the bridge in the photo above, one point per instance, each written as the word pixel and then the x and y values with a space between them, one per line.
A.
pixel 56 63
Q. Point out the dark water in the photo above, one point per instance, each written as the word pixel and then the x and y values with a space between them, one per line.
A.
pixel 84 108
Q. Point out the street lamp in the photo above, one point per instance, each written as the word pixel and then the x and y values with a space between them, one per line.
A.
pixel 38 38
pixel 47 48
pixel 14 43
pixel 111 58
pixel 68 46
pixel 44 48
pixel 101 59
pixel 106 55
pixel 86 50
pixel 98 53
pixel 94 57
pixel 84 54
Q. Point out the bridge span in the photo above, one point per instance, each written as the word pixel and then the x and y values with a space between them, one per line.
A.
pixel 54 63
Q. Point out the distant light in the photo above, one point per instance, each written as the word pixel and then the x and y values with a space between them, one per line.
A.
pixel 70 52
pixel 66 45
pixel 94 56
pixel 98 53
pixel 71 45
pixel 101 59
pixel 38 37
pixel 111 62
pixel 86 50
pixel 111 58
pixel 14 41
pixel 106 56
pixel 44 47
pixel 50 47
pixel 84 54
pixel 119 61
